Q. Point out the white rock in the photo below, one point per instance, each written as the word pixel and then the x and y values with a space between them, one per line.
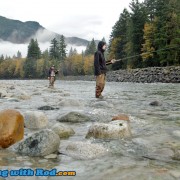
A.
pixel 62 130
pixel 113 130
pixel 35 120
pixel 84 150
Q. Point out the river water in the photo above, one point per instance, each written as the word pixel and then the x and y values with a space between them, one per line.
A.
pixel 147 155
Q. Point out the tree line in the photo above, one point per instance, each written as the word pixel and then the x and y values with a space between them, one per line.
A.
pixel 37 63
pixel 149 33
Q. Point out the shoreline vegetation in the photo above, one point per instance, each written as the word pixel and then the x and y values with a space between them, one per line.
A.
pixel 170 74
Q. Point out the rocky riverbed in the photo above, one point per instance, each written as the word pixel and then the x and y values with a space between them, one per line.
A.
pixel 74 132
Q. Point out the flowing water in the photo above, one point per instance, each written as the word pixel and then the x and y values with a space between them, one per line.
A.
pixel 147 155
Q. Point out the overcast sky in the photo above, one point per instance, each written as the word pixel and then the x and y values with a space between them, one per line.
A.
pixel 80 18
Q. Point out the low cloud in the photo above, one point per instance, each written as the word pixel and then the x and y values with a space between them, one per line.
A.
pixel 10 49
pixel 43 36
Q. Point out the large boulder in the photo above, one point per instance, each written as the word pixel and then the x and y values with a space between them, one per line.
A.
pixel 113 130
pixel 11 127
pixel 35 120
pixel 41 143
pixel 83 150
pixel 74 117
pixel 62 130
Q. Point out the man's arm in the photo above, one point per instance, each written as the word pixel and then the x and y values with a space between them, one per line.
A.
pixel 96 64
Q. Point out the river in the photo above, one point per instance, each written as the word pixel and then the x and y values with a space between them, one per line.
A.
pixel 147 155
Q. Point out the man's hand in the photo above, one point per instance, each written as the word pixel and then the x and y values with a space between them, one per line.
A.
pixel 113 61
pixel 48 78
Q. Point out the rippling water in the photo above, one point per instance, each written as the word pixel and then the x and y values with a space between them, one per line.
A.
pixel 146 156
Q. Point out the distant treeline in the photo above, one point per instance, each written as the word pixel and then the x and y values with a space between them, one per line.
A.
pixel 149 34
pixel 37 63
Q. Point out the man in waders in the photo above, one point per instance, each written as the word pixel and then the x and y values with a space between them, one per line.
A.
pixel 51 76
pixel 100 68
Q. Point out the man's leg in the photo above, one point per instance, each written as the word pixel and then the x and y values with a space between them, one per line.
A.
pixel 49 81
pixel 100 83
pixel 52 83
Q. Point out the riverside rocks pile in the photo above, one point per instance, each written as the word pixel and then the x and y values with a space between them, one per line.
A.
pixel 146 75
pixel 169 74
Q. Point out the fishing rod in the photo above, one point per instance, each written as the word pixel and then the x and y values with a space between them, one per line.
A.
pixel 137 55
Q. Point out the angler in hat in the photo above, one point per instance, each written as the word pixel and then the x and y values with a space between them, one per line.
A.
pixel 100 68
pixel 52 75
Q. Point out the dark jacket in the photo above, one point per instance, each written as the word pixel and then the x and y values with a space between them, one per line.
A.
pixel 50 70
pixel 99 60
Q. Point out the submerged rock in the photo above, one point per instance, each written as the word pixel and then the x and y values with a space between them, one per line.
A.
pixel 84 150
pixel 74 117
pixel 155 103
pixel 103 104
pixel 176 133
pixel 62 130
pixel 47 108
pixel 70 102
pixel 3 93
pixel 113 130
pixel 35 120
pixel 176 155
pixel 41 143
pixel 11 127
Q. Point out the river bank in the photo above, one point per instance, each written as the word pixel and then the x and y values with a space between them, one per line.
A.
pixel 169 74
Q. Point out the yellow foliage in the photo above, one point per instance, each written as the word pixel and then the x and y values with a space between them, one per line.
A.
pixel 149 30
pixel 19 68
pixel 88 64
pixel 40 67
pixel 114 45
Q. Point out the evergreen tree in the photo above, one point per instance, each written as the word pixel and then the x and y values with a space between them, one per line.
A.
pixel 62 48
pixel 138 19
pixel 118 40
pixel 167 33
pixel 19 55
pixel 54 49
pixel 103 39
pixel 71 52
pixel 91 48
pixel 2 58
pixel 87 50
pixel 34 51
pixel 75 51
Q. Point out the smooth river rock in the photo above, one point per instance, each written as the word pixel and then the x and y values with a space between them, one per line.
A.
pixel 84 150
pixel 11 127
pixel 114 130
pixel 35 120
pixel 74 117
pixel 41 143
pixel 62 130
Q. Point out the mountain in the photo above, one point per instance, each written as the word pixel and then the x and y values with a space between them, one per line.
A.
pixel 19 32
